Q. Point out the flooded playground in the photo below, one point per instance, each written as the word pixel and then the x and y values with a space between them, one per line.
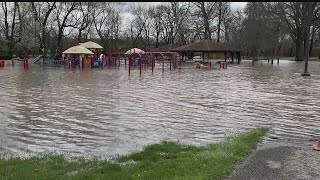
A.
pixel 104 112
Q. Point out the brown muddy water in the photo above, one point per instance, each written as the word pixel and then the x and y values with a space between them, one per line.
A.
pixel 104 112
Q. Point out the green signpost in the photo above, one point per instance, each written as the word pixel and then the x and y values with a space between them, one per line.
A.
pixel 48 53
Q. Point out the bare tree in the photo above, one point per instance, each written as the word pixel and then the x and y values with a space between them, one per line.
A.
pixel 106 20
pixel 9 28
pixel 41 12
pixel 180 13
pixel 63 13
pixel 206 10
pixel 83 17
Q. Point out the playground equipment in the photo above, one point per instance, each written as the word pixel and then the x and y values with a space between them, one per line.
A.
pixel 2 64
pixel 96 49
pixel 223 65
pixel 142 59
pixel 112 59
pixel 25 63
pixel 80 56
pixel 77 52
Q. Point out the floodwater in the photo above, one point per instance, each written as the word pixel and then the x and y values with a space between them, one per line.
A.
pixel 104 112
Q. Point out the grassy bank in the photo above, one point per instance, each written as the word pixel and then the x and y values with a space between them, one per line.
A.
pixel 161 161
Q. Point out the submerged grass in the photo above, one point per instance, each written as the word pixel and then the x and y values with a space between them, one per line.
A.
pixel 168 160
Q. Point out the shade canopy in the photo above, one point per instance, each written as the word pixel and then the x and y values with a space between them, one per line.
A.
pixel 136 50
pixel 91 45
pixel 165 48
pixel 77 50
pixel 204 46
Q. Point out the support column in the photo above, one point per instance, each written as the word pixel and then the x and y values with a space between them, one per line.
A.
pixel 203 57
pixel 80 62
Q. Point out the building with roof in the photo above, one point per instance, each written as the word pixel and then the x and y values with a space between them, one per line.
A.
pixel 209 50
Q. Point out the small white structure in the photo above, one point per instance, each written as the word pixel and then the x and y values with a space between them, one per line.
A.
pixel 77 50
pixel 91 45
pixel 136 50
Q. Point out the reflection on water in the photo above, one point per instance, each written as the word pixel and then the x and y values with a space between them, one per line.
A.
pixel 105 112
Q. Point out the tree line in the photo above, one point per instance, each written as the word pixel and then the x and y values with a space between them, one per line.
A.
pixel 261 28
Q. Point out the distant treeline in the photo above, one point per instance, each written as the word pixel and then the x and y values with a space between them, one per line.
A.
pixel 261 28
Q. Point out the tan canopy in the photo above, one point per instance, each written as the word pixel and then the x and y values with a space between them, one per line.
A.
pixel 165 48
pixel 77 50
pixel 91 45
pixel 136 50
pixel 205 46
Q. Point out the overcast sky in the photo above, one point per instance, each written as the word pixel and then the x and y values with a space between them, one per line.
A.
pixel 127 15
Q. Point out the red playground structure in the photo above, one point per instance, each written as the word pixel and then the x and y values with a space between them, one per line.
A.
pixel 143 60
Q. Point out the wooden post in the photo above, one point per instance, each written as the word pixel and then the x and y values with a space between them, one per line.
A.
pixel 203 56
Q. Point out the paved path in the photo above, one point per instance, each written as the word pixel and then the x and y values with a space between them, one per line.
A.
pixel 279 162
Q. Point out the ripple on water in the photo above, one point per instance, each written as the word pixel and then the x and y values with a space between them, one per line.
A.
pixel 105 112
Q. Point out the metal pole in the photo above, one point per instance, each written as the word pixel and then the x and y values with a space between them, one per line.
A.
pixel 134 60
pixel 129 60
pixel 145 58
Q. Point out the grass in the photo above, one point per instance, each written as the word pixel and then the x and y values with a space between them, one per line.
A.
pixel 167 160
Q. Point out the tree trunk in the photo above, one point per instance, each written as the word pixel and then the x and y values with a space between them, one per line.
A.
pixel 157 39
pixel 299 49
pixel 226 33
pixel 278 52
pixel 11 42
pixel 219 23
pixel 60 34
pixel 272 54
pixel 307 24
pixel 79 35
pixel 312 39
pixel 207 32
